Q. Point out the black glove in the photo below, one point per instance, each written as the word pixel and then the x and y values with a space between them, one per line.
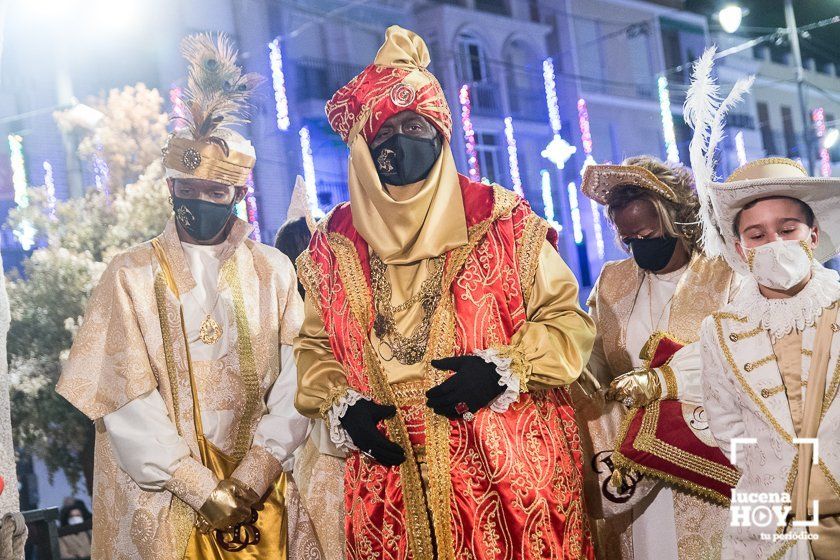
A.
pixel 360 420
pixel 475 383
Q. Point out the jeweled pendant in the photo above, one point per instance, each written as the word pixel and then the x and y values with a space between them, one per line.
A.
pixel 210 331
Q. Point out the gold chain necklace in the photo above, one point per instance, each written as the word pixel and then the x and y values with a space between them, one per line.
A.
pixel 210 330
pixel 653 326
pixel 409 349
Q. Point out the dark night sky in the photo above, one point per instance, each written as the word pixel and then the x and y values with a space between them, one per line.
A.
pixel 824 45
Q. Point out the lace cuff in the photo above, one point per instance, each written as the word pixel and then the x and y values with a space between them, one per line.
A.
pixel 508 378
pixel 338 435
pixel 519 364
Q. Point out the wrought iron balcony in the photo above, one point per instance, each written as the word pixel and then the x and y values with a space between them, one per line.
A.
pixel 485 99
pixel 317 79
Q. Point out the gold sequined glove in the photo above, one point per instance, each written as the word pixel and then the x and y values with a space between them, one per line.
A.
pixel 225 507
pixel 637 388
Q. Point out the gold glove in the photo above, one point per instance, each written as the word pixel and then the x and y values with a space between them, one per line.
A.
pixel 225 507
pixel 637 388
pixel 244 492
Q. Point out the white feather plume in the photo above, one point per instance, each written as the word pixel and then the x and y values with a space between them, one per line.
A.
pixel 737 93
pixel 705 112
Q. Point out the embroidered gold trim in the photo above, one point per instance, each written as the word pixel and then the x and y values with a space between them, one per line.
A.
pixel 519 364
pixel 750 366
pixel 310 278
pixel 831 390
pixel 168 352
pixel 768 392
pixel 806 352
pixel 333 396
pixel 410 392
pixel 791 479
pixel 247 361
pixel 670 381
pixel 648 443
pixel 441 344
pixel 736 371
pixel 835 486
pixel 735 337
pixel 626 465
pixel 779 554
pixel 647 351
pixel 352 276
pixel 528 253
pixel 419 531
pixel 182 515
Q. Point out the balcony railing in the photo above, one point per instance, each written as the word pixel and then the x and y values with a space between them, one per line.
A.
pixel 485 99
pixel 317 79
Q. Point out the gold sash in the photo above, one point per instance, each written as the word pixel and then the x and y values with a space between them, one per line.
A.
pixel 271 509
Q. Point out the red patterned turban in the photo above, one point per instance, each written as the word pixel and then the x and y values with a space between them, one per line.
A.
pixel 396 81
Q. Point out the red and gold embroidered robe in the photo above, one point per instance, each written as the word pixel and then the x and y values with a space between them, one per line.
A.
pixel 503 486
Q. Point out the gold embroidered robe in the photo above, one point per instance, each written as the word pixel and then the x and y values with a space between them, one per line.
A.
pixel 118 355
pixel 706 286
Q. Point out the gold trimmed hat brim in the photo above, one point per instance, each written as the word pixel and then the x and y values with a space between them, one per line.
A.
pixel 599 181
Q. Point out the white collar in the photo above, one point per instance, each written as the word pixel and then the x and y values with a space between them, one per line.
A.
pixel 781 316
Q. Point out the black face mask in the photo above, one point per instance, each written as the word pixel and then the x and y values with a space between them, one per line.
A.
pixel 201 219
pixel 653 254
pixel 402 160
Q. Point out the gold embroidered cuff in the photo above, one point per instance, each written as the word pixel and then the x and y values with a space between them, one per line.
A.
pixel 519 364
pixel 666 373
pixel 258 470
pixel 335 394
pixel 192 482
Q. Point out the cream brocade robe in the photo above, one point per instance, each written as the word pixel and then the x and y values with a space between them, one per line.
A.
pixel 705 286
pixel 118 356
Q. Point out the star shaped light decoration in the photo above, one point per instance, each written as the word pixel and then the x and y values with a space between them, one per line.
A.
pixel 558 151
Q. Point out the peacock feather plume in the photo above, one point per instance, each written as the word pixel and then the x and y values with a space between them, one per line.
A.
pixel 217 94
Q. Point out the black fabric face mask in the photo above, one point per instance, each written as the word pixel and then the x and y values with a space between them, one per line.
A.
pixel 402 160
pixel 201 219
pixel 653 254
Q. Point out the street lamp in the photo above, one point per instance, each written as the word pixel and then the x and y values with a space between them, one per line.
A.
pixel 730 18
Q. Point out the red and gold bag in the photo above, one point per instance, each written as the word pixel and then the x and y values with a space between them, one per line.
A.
pixel 671 440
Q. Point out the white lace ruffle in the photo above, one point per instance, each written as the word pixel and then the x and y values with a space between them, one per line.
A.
pixel 338 435
pixel 507 379
pixel 781 316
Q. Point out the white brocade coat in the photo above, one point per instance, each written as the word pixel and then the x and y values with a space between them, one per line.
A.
pixel 738 364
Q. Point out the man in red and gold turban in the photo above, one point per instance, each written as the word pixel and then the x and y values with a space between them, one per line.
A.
pixel 441 330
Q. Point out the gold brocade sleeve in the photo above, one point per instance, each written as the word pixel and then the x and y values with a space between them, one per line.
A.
pixel 554 344
pixel 321 379
pixel 109 363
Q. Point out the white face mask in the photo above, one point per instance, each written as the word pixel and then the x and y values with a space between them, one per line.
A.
pixel 75 520
pixel 780 265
